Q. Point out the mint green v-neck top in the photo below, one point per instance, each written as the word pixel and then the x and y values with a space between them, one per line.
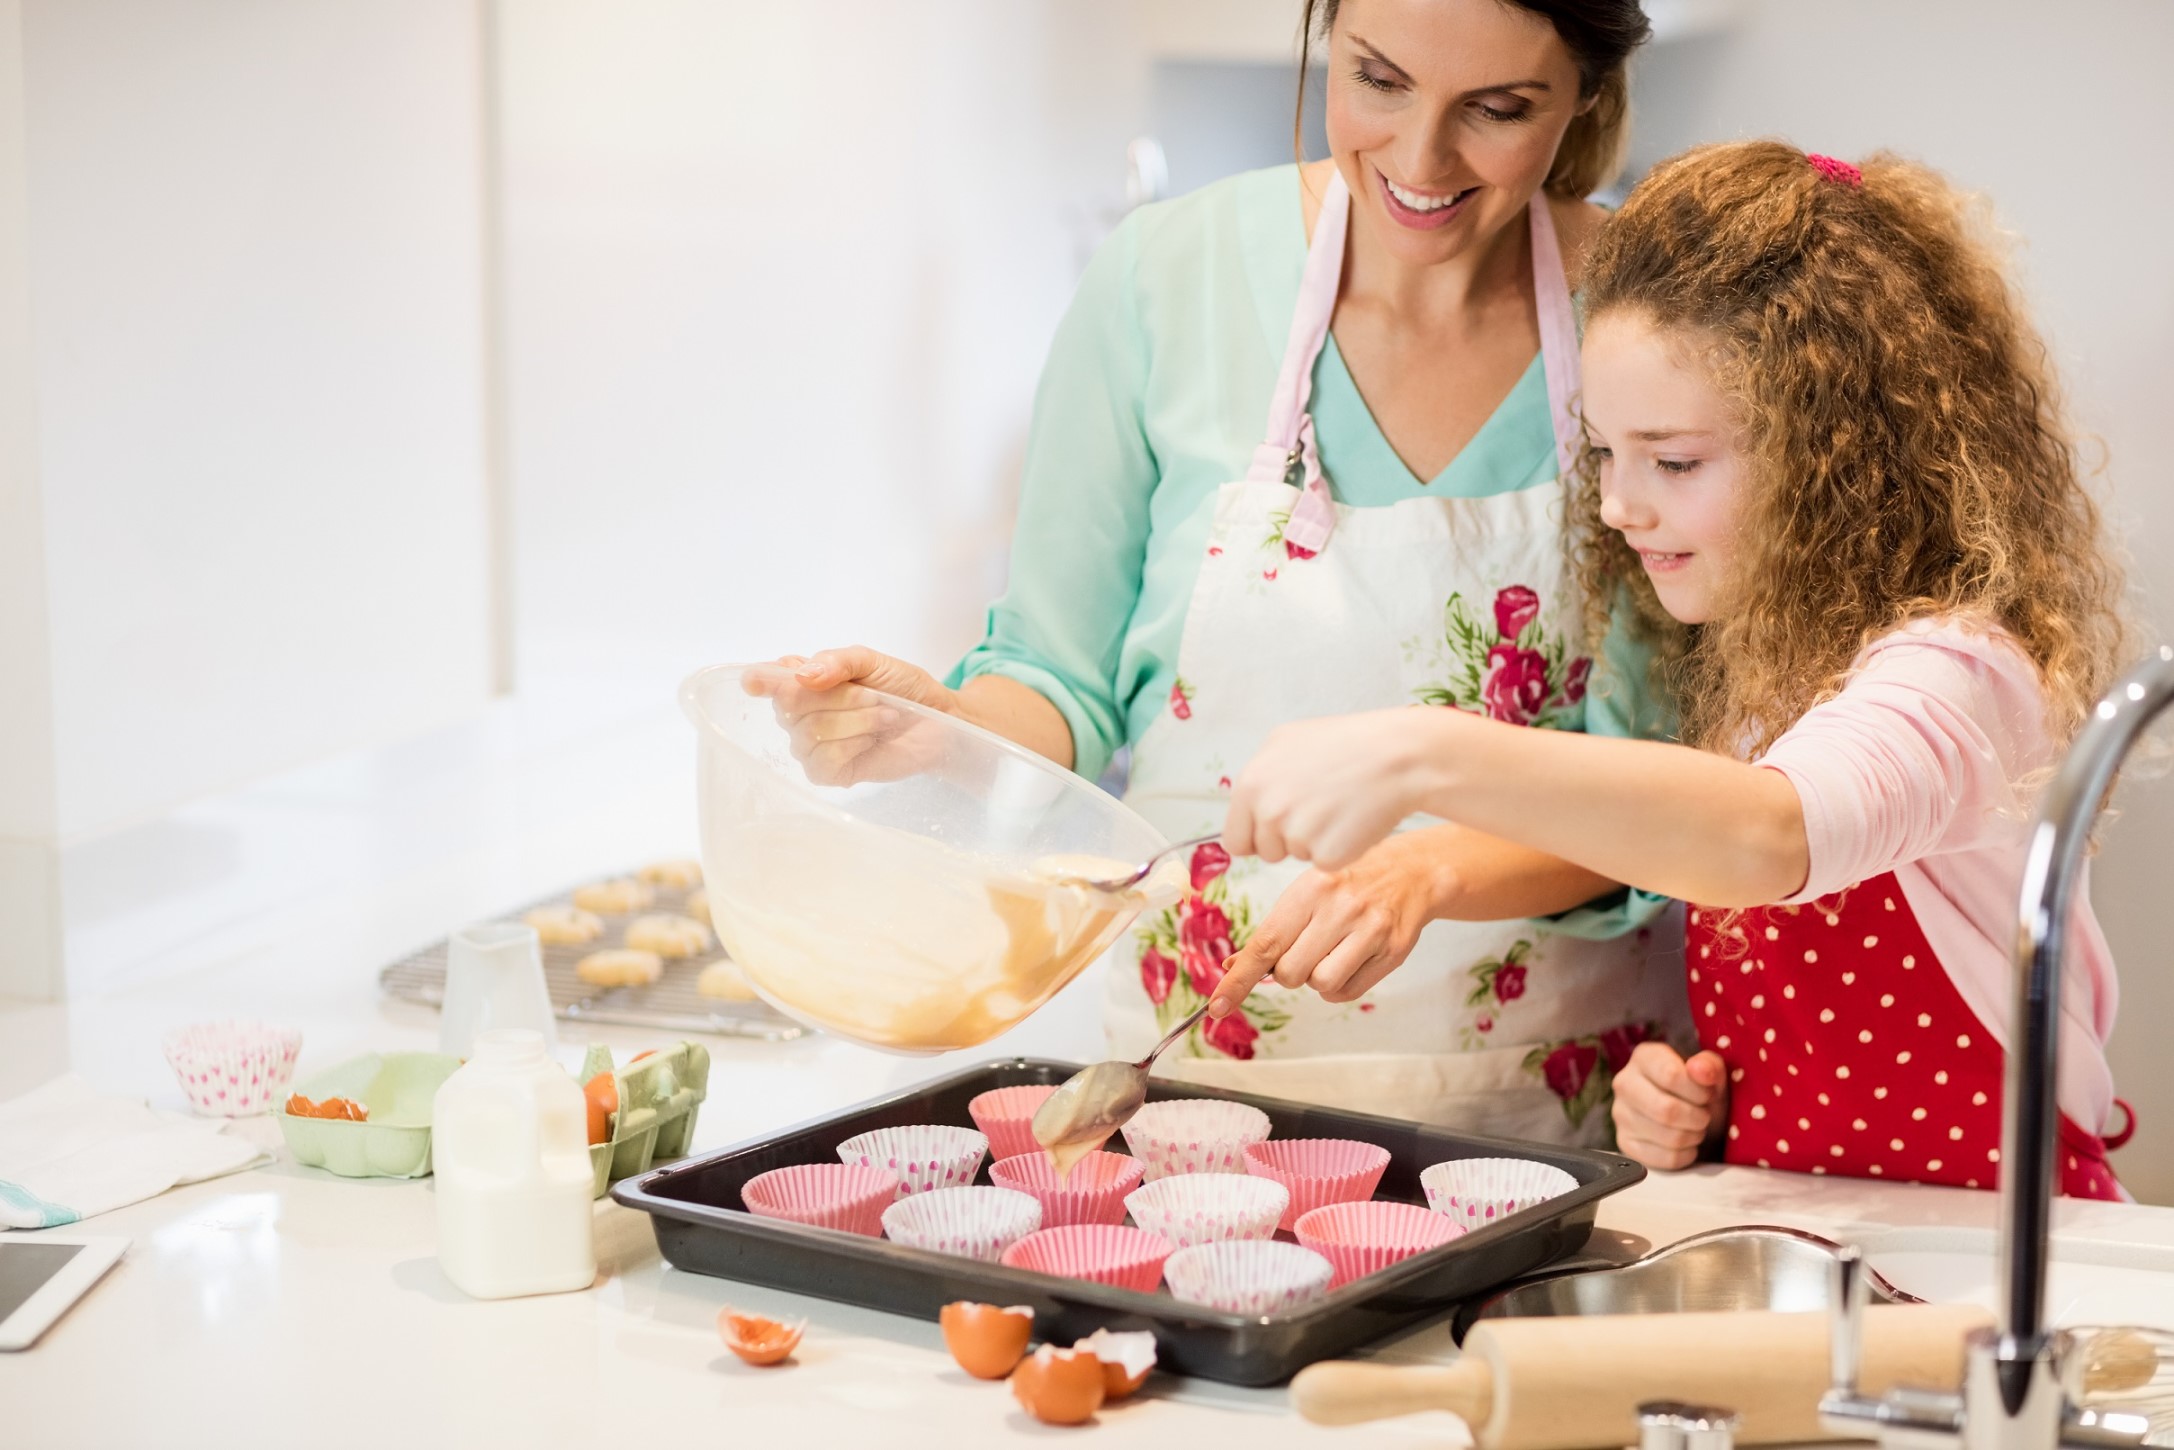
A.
pixel 1155 393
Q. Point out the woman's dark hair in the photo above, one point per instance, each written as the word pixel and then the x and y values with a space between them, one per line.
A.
pixel 1600 35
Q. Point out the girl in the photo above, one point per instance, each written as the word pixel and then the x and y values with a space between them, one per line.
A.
pixel 1825 464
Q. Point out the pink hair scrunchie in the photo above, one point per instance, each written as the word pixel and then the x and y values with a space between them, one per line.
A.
pixel 1835 170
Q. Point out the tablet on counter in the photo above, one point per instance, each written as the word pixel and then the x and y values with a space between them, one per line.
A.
pixel 41 1277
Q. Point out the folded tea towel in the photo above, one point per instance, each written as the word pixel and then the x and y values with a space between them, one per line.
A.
pixel 68 1151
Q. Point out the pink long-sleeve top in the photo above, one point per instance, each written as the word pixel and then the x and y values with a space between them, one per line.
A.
pixel 1918 766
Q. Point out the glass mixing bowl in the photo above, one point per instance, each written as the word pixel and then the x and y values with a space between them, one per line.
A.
pixel 892 874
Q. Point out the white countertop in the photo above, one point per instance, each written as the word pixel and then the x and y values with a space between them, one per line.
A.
pixel 284 1306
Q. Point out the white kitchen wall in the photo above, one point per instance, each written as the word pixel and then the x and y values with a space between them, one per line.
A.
pixel 779 281
pixel 245 413
pixel 2062 114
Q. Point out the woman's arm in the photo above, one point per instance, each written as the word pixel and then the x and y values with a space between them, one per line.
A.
pixel 1665 818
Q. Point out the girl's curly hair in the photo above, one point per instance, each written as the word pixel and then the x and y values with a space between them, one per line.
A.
pixel 1907 454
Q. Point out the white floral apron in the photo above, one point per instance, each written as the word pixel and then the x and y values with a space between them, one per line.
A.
pixel 1303 608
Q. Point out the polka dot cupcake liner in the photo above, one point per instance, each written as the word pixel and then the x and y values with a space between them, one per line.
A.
pixel 1101 1253
pixel 1476 1192
pixel 1094 1192
pixel 1364 1238
pixel 1206 1208
pixel 233 1069
pixel 1194 1135
pixel 842 1196
pixel 1006 1117
pixel 925 1157
pixel 976 1222
pixel 1317 1171
pixel 1249 1276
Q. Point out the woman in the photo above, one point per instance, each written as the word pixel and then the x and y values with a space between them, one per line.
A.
pixel 1395 537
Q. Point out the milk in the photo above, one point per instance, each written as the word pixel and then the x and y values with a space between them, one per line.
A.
pixel 510 1151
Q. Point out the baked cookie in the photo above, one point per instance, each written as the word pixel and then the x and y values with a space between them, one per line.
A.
pixel 725 981
pixel 564 926
pixel 619 967
pixel 697 905
pixel 616 897
pixel 677 875
pixel 668 936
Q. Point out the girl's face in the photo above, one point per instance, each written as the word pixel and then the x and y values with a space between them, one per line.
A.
pixel 1444 117
pixel 1672 467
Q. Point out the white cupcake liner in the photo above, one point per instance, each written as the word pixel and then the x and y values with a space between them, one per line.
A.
pixel 1194 1135
pixel 976 1222
pixel 925 1156
pixel 1248 1276
pixel 1478 1191
pixel 1206 1208
pixel 233 1069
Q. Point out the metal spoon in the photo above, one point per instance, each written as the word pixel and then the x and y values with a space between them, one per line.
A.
pixel 1134 878
pixel 1095 1102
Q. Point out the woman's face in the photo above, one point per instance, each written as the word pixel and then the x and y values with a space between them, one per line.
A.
pixel 1672 467
pixel 1444 117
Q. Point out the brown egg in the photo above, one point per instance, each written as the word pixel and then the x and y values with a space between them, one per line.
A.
pixel 1059 1386
pixel 1126 1360
pixel 757 1340
pixel 985 1340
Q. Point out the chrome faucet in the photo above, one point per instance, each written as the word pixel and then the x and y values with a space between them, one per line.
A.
pixel 2013 1396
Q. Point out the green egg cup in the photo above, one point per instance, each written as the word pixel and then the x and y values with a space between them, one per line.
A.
pixel 397 1088
pixel 658 1097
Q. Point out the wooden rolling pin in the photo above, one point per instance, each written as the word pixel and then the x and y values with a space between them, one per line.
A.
pixel 1574 1383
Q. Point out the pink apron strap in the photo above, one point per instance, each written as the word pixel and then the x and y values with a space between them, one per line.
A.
pixel 1558 332
pixel 1289 454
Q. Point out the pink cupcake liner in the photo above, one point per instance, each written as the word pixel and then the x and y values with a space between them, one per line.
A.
pixel 1194 1135
pixel 1094 1193
pixel 1205 1208
pixel 827 1195
pixel 1249 1276
pixel 1365 1238
pixel 1476 1192
pixel 1006 1117
pixel 1318 1171
pixel 923 1156
pixel 1102 1253
pixel 233 1069
pixel 973 1223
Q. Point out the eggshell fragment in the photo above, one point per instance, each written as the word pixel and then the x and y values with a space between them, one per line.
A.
pixel 985 1340
pixel 757 1340
pixel 1126 1360
pixel 1059 1386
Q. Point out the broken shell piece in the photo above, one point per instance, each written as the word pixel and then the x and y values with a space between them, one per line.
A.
pixel 986 1341
pixel 757 1340
pixel 1059 1386
pixel 1126 1360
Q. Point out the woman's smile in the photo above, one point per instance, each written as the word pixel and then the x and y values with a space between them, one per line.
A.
pixel 1423 211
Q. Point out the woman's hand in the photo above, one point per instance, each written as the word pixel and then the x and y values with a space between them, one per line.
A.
pixel 1326 790
pixel 1341 932
pixel 843 729
pixel 1667 1109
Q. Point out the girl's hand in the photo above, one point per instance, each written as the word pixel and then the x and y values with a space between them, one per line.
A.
pixel 1666 1109
pixel 1327 790
pixel 843 729
pixel 1340 932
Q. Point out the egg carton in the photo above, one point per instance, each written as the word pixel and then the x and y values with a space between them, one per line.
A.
pixel 658 1098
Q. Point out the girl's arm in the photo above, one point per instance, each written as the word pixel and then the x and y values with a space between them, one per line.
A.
pixel 1665 818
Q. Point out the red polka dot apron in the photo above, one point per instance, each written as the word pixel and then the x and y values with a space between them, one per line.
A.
pixel 1306 607
pixel 1851 1052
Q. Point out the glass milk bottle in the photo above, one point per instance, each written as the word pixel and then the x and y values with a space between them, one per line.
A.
pixel 510 1151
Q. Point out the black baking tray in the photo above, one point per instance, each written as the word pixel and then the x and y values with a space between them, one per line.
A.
pixel 702 1226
